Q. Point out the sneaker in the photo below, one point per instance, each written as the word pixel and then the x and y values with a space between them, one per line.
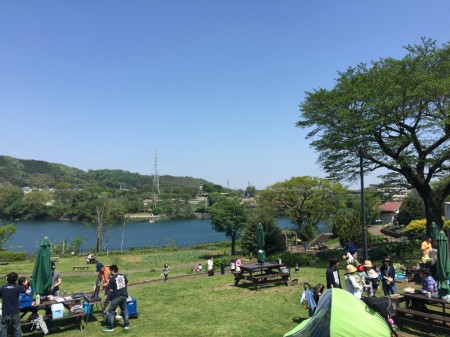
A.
pixel 108 330
pixel 126 327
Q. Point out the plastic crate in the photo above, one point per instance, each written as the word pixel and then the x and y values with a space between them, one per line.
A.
pixel 25 300
pixel 132 307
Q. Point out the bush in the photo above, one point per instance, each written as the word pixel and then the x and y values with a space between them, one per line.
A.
pixel 325 255
pixel 290 259
pixel 399 250
pixel 13 256
pixel 420 226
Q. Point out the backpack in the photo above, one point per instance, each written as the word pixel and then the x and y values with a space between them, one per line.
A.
pixel 375 282
pixel 350 248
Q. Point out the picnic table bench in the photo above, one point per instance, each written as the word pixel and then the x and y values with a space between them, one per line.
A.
pixel 4 262
pixel 432 316
pixel 261 274
pixel 80 267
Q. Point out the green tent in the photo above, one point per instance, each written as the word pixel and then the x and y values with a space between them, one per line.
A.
pixel 341 314
pixel 434 234
pixel 41 279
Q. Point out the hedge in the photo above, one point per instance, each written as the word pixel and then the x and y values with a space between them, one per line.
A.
pixel 13 256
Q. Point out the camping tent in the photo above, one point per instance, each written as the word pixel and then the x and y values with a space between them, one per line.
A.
pixel 341 314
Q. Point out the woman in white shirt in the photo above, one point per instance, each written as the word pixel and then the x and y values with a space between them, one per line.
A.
pixel 352 281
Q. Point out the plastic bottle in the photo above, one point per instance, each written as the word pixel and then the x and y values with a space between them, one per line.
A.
pixel 38 299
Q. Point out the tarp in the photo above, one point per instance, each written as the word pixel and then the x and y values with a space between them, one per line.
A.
pixel 41 279
pixel 443 265
pixel 341 314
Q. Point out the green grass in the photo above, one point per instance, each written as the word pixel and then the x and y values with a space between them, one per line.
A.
pixel 201 306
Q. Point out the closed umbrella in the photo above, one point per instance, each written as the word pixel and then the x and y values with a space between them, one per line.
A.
pixel 434 233
pixel 41 280
pixel 443 266
pixel 260 239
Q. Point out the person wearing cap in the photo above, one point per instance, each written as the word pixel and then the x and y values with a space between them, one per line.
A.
pixel 387 272
pixel 351 281
pixel 428 282
pixel 369 278
pixel 103 280
pixel 56 280
pixel 118 293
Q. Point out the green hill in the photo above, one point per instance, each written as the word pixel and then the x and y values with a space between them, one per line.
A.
pixel 41 174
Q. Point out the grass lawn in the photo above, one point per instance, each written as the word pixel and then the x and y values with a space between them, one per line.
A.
pixel 197 306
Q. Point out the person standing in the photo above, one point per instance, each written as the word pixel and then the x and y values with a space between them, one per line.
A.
pixel 118 293
pixel 387 272
pixel 166 270
pixel 352 281
pixel 426 247
pixel 56 280
pixel 210 266
pixel 9 294
pixel 103 281
pixel 332 274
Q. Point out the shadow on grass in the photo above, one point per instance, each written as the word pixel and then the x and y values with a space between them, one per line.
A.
pixel 298 320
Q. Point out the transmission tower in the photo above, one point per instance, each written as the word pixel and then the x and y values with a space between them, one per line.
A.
pixel 155 175
pixel 155 181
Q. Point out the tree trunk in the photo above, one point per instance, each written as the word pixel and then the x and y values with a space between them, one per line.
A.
pixel 233 243
pixel 434 207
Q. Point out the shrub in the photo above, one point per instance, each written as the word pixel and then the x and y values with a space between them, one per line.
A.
pixel 13 256
pixel 420 226
pixel 290 259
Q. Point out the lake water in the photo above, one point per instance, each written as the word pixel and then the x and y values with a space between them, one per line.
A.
pixel 182 233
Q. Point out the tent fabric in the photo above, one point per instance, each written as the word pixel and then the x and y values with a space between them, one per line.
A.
pixel 340 314
pixel 41 281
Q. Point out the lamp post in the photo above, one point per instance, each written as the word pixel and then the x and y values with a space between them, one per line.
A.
pixel 360 152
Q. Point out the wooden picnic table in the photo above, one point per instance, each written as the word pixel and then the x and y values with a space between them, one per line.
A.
pixel 260 274
pixel 425 312
pixel 46 306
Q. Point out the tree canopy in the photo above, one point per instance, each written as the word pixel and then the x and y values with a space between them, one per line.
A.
pixel 228 216
pixel 307 201
pixel 398 111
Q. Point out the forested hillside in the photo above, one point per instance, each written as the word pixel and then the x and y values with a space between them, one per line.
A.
pixel 41 174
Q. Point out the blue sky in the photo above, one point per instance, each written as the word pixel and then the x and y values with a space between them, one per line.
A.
pixel 212 86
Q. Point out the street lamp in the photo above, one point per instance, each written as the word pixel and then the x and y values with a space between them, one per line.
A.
pixel 360 152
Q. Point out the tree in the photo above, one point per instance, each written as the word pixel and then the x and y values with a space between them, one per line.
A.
pixel 228 216
pixel 307 201
pixel 411 209
pixel 108 212
pixel 5 233
pixel 273 237
pixel 398 111
pixel 10 199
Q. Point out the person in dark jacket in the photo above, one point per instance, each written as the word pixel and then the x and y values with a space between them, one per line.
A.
pixel 387 272
pixel 118 298
pixel 332 274
pixel 9 293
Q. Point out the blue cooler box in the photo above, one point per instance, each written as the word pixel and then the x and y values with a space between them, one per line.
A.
pixel 25 300
pixel 132 307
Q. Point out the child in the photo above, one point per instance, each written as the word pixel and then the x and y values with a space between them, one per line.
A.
pixel 166 272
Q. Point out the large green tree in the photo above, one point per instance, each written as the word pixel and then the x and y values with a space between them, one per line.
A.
pixel 229 216
pixel 307 201
pixel 398 111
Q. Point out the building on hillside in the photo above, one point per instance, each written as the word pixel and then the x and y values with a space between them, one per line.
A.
pixel 389 211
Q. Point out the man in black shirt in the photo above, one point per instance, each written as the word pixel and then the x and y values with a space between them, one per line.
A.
pixel 332 274
pixel 10 308
pixel 118 296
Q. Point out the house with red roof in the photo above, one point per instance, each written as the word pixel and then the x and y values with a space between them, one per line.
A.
pixel 389 211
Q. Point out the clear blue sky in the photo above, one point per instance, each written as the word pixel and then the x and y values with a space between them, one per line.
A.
pixel 212 86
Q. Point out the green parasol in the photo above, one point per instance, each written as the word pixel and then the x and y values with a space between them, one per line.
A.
pixel 434 233
pixel 41 280
pixel 260 239
pixel 443 266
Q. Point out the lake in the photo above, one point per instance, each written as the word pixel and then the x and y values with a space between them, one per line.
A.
pixel 182 233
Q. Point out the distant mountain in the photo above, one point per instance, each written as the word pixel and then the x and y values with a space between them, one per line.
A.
pixel 41 174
